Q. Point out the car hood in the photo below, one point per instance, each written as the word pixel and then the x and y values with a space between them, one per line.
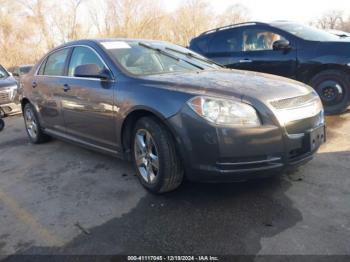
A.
pixel 9 81
pixel 227 82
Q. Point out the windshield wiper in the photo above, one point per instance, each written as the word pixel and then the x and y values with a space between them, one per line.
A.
pixel 189 54
pixel 161 51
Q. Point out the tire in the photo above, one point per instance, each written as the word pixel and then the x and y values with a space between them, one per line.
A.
pixel 333 87
pixel 33 127
pixel 2 124
pixel 155 157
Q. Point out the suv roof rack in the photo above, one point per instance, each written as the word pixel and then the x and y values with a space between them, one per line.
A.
pixel 231 26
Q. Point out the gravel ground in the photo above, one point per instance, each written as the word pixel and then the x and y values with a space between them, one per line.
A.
pixel 58 198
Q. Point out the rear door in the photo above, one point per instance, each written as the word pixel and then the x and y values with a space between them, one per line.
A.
pixel 47 89
pixel 257 52
pixel 225 47
pixel 88 103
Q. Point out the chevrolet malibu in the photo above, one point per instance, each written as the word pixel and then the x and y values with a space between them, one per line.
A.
pixel 172 112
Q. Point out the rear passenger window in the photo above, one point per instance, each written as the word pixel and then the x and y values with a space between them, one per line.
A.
pixel 56 62
pixel 200 45
pixel 226 41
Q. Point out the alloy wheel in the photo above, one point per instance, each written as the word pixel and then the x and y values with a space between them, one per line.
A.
pixel 31 124
pixel 146 156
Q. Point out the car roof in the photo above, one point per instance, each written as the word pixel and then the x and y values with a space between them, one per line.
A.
pixel 227 27
pixel 100 40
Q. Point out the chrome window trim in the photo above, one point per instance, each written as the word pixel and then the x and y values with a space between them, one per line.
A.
pixel 73 77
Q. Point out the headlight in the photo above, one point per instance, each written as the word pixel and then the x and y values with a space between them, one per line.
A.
pixel 225 112
pixel 13 90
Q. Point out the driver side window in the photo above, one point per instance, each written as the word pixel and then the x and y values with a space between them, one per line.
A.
pixel 83 56
pixel 259 40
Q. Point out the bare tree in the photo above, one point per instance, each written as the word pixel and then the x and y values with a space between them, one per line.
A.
pixel 233 14
pixel 42 24
pixel 331 20
pixel 189 20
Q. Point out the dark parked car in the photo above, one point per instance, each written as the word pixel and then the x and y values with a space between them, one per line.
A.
pixel 9 98
pixel 292 50
pixel 18 71
pixel 339 33
pixel 171 111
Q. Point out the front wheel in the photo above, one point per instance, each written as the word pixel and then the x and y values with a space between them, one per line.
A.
pixel 333 87
pixel 154 153
pixel 33 128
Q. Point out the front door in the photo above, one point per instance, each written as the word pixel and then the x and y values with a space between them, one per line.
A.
pixel 258 54
pixel 87 103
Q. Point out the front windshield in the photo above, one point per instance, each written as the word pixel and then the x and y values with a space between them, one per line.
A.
pixel 3 73
pixel 146 58
pixel 307 32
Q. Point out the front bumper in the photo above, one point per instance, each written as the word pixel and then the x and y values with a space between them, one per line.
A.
pixel 212 153
pixel 10 103
pixel 11 109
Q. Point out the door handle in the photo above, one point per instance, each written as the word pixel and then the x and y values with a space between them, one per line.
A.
pixel 34 84
pixel 66 87
pixel 245 61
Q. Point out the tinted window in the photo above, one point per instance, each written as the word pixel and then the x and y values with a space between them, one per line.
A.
pixel 200 45
pixel 226 41
pixel 83 56
pixel 56 62
pixel 259 40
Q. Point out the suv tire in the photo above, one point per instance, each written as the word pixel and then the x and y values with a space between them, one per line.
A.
pixel 333 87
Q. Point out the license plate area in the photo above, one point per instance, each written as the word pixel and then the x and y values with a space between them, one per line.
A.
pixel 316 138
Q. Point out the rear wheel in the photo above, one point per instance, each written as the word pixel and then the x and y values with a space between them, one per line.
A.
pixel 333 88
pixel 155 158
pixel 33 128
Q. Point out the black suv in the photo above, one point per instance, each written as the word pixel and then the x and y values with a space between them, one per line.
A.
pixel 300 52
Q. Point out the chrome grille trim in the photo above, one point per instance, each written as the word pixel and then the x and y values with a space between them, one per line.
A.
pixel 292 102
pixel 5 97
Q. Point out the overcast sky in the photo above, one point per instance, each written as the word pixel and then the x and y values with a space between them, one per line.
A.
pixel 268 10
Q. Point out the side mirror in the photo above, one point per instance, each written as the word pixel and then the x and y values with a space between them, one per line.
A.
pixel 15 74
pixel 281 45
pixel 91 71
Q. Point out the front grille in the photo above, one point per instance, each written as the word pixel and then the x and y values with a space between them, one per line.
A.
pixel 300 126
pixel 5 97
pixel 292 102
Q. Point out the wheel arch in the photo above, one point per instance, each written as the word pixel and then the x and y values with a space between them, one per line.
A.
pixel 24 101
pixel 325 67
pixel 130 121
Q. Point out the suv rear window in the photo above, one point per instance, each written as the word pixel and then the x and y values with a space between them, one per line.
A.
pixel 55 63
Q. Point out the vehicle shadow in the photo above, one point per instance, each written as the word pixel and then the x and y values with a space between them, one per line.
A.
pixel 195 219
